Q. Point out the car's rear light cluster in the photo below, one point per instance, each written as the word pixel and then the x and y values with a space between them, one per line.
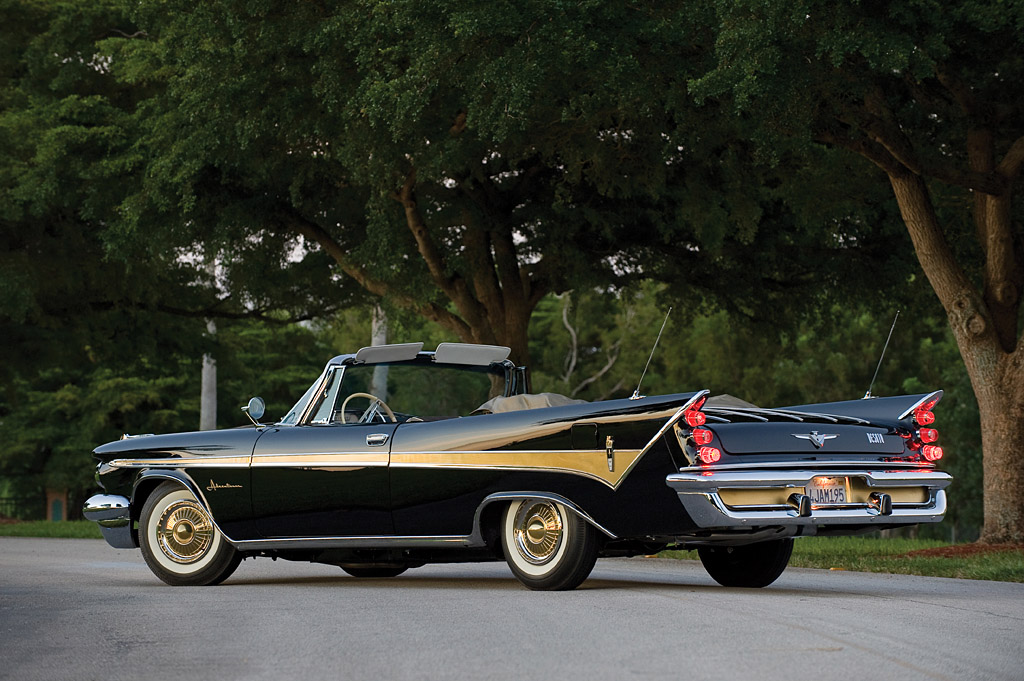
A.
pixel 702 437
pixel 921 439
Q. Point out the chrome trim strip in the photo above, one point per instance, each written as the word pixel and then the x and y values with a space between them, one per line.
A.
pixel 547 496
pixel 692 482
pixel 937 395
pixel 307 413
pixel 529 469
pixel 668 424
pixel 376 541
pixel 700 496
pixel 834 418
pixel 799 465
pixel 732 412
pixel 786 413
pixel 197 462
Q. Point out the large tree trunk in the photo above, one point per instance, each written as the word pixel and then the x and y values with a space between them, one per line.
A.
pixel 984 326
pixel 1001 401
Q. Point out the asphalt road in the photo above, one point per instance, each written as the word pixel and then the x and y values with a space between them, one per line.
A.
pixel 76 609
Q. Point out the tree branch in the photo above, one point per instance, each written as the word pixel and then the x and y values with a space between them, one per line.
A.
pixel 317 234
pixel 1011 164
pixel 427 248
pixel 570 360
pixel 613 356
pixel 872 151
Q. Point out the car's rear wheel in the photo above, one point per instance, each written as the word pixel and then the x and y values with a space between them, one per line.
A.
pixel 547 546
pixel 753 565
pixel 374 571
pixel 180 542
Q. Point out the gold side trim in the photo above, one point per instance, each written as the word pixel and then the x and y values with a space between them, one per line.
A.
pixel 320 459
pixel 203 462
pixel 585 462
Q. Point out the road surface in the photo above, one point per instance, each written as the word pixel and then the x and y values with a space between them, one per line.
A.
pixel 77 609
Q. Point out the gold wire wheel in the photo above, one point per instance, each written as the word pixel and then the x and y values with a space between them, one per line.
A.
pixel 538 531
pixel 184 532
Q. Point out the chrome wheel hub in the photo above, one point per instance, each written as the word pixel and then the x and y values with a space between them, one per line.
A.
pixel 537 528
pixel 184 532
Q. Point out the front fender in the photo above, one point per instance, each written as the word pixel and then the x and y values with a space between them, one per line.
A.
pixel 148 481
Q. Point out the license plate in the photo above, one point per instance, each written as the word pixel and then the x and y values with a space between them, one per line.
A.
pixel 827 491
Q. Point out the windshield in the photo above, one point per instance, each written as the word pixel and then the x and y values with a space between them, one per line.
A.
pixel 292 417
pixel 424 391
pixel 406 391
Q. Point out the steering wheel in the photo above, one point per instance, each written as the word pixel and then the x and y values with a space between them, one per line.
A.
pixel 368 414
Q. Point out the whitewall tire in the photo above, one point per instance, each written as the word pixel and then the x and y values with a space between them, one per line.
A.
pixel 548 546
pixel 180 542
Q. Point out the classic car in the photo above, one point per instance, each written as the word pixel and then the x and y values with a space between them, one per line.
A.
pixel 395 457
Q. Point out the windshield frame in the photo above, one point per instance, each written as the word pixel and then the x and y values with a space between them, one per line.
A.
pixel 305 410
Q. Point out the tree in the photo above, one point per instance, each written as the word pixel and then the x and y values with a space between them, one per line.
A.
pixel 928 95
pixel 95 345
pixel 458 161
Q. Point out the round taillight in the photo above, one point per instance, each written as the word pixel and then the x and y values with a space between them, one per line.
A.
pixel 709 454
pixel 928 435
pixel 695 418
pixel 923 418
pixel 932 452
pixel 703 436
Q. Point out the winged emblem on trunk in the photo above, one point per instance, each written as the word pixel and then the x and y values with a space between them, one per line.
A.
pixel 816 439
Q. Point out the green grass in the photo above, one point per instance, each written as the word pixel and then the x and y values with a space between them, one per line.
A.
pixel 67 529
pixel 872 554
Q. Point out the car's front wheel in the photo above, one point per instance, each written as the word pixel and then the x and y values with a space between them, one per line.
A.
pixel 753 565
pixel 547 546
pixel 180 542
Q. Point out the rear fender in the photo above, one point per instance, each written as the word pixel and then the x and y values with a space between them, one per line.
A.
pixel 489 512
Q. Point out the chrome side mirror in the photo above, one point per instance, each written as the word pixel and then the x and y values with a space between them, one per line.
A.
pixel 255 410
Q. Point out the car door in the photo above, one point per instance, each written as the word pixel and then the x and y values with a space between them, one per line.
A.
pixel 323 480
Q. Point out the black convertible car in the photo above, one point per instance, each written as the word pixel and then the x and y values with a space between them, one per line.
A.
pixel 395 457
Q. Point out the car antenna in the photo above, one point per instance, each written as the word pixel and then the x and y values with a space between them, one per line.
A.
pixel 636 393
pixel 867 395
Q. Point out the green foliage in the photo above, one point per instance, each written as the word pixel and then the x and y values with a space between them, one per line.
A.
pixel 872 554
pixel 67 529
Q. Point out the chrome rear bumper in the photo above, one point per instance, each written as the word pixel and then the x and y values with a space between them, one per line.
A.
pixel 701 493
pixel 112 513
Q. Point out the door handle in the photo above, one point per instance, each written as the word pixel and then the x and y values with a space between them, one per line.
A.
pixel 376 439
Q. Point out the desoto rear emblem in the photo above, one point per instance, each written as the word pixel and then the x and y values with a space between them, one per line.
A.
pixel 817 440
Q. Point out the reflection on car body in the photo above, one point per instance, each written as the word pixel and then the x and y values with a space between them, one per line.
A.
pixel 452 459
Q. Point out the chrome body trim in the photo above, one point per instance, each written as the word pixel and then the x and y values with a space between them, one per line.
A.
pixel 547 496
pixel 937 395
pixel 367 542
pixel 802 465
pixel 173 463
pixel 668 424
pixel 113 515
pixel 699 494
pixel 709 411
